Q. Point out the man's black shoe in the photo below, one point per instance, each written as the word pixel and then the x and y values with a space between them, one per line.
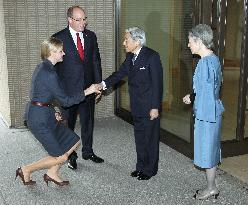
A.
pixel 136 173
pixel 94 158
pixel 72 163
pixel 143 177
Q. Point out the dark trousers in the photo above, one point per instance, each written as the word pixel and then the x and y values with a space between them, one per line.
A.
pixel 86 111
pixel 147 134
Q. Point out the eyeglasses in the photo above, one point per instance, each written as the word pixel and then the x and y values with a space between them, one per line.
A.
pixel 83 19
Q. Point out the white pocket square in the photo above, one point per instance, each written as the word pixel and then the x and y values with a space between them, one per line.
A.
pixel 143 68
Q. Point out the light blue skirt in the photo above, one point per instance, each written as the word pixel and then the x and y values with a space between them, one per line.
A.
pixel 207 151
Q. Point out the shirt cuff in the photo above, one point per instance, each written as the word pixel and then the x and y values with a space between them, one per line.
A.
pixel 103 85
pixel 56 109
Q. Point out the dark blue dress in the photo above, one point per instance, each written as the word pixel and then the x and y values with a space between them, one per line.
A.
pixel 56 138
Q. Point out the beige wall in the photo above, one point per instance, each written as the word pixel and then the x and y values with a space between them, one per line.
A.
pixel 4 88
pixel 27 24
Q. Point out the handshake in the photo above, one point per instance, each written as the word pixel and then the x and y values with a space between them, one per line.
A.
pixel 94 88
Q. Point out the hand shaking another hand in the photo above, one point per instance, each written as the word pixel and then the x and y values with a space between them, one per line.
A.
pixel 98 88
pixel 94 88
pixel 99 95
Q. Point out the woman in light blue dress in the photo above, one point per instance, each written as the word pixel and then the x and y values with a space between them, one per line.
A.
pixel 207 107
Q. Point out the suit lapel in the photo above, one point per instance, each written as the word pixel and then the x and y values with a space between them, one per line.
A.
pixel 86 44
pixel 73 47
pixel 71 42
pixel 139 60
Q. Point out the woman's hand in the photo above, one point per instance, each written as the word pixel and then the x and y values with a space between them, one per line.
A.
pixel 94 88
pixel 186 99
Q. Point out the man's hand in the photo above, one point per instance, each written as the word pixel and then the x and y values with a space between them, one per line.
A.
pixel 58 116
pixel 94 88
pixel 153 114
pixel 186 99
pixel 98 97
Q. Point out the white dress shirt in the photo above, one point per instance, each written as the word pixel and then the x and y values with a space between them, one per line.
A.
pixel 137 53
pixel 74 36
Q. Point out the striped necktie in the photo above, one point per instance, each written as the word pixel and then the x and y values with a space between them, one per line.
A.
pixel 134 58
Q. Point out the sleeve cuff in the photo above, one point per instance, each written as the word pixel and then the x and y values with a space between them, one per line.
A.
pixel 103 85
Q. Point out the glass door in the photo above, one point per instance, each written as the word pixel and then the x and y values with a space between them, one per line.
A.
pixel 166 24
pixel 231 69
pixel 229 21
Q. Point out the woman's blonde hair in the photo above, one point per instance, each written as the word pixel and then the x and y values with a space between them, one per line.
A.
pixel 48 45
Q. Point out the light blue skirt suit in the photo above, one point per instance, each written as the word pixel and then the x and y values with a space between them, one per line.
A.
pixel 208 110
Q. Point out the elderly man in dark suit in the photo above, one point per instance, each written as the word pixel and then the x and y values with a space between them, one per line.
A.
pixel 145 80
pixel 81 67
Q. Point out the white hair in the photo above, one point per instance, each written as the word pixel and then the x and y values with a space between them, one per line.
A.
pixel 137 34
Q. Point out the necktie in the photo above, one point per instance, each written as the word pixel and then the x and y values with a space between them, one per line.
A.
pixel 134 58
pixel 80 47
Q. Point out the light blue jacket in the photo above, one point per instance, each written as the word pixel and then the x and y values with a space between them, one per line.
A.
pixel 207 80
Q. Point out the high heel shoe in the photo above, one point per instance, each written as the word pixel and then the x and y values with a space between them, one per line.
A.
pixel 211 193
pixel 20 174
pixel 47 179
pixel 197 192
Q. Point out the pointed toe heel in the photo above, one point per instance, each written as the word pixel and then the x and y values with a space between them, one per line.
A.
pixel 20 174
pixel 47 179
pixel 216 195
pixel 197 192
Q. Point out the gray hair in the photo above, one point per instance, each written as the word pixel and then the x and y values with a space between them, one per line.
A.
pixel 137 34
pixel 204 33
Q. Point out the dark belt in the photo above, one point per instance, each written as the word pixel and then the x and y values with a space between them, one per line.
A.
pixel 40 104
